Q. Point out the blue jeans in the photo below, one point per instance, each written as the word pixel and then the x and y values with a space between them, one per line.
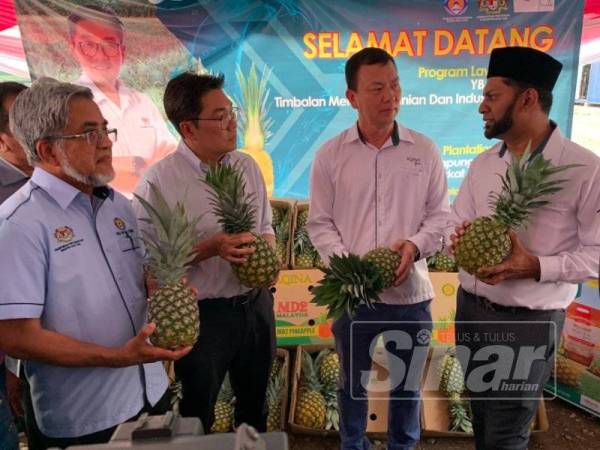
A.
pixel 9 440
pixel 353 340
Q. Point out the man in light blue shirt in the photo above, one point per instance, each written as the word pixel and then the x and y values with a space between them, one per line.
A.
pixel 72 300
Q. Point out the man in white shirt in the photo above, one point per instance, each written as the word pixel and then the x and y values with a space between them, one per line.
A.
pixel 96 40
pixel 237 324
pixel 559 247
pixel 379 184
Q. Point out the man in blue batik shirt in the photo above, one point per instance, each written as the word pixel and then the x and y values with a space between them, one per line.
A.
pixel 72 300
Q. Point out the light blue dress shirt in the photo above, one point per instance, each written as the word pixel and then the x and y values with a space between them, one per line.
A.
pixel 76 265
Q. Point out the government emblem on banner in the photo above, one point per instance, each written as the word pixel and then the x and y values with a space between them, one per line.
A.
pixel 493 6
pixel 456 7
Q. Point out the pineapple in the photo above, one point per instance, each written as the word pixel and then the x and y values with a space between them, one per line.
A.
pixel 311 408
pixel 328 363
pixel 304 252
pixel 350 281
pixel 302 218
pixel 452 383
pixel 386 261
pixel 281 225
pixel 224 410
pixel 486 242
pixel 173 306
pixel 275 392
pixel 444 263
pixel 236 214
pixel 568 372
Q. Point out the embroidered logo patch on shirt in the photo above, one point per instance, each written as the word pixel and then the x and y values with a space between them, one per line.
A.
pixel 119 223
pixel 64 234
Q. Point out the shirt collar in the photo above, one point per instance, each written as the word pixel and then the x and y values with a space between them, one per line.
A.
pixel 10 174
pixel 194 161
pixel 63 192
pixel 539 149
pixel 399 133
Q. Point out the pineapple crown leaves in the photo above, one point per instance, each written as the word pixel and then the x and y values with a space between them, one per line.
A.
pixel 348 282
pixel 526 180
pixel 171 245
pixel 309 378
pixel 282 228
pixel 226 392
pixel 275 387
pixel 235 209
pixel 255 95
pixel 302 243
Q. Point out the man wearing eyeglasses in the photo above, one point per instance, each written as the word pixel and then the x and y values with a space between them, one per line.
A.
pixel 72 300
pixel 237 333
pixel 96 41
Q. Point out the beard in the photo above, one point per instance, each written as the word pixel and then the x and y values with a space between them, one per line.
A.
pixel 502 125
pixel 94 180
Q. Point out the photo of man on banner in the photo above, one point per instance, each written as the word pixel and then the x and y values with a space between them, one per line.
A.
pixel 96 41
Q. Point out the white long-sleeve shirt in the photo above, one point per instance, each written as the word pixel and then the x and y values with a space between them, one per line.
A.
pixel 565 234
pixel 362 198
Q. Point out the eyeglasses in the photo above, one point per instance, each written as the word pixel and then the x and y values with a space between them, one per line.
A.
pixel 91 49
pixel 227 118
pixel 92 137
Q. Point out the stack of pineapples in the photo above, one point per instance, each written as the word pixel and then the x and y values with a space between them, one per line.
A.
pixel 173 306
pixel 236 211
pixel 305 254
pixel 282 213
pixel 224 409
pixel 316 404
pixel 351 281
pixel 452 384
pixel 486 241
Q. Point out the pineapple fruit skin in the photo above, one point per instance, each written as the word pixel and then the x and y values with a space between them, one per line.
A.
pixel 485 243
pixel 329 369
pixel 311 409
pixel 174 310
pixel 444 263
pixel 386 261
pixel 223 422
pixel 261 268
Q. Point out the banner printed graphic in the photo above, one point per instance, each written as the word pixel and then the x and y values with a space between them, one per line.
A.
pixel 294 53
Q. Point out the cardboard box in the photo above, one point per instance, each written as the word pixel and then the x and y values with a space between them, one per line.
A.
pixel 580 344
pixel 298 321
pixel 435 419
pixel 443 307
pixel 377 411
pixel 289 207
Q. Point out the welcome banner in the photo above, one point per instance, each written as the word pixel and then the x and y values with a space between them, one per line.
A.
pixel 284 66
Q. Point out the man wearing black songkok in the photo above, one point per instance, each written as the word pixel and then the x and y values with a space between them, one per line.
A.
pixel 509 316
